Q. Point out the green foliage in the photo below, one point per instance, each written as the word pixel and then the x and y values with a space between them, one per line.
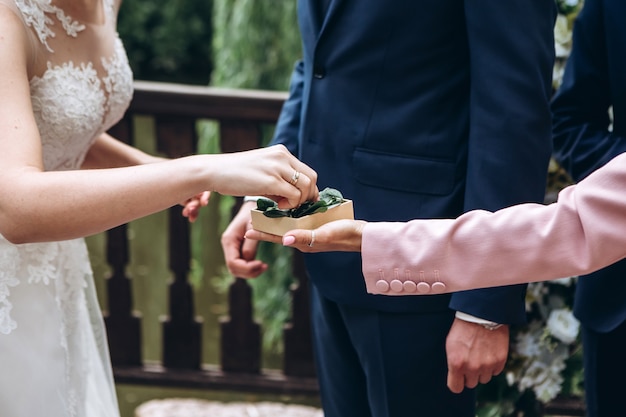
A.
pixel 168 41
pixel 255 45
pixel 329 197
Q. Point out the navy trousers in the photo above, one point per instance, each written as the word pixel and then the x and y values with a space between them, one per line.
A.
pixel 379 364
pixel 605 369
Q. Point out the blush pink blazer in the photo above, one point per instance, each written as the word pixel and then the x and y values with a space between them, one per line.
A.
pixel 583 231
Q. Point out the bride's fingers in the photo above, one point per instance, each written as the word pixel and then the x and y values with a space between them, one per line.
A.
pixel 297 182
pixel 191 210
pixel 204 198
pixel 192 206
pixel 308 186
pixel 295 190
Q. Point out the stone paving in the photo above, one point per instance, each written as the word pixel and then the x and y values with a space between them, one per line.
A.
pixel 183 407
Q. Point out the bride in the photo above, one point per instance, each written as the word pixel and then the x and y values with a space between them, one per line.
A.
pixel 65 81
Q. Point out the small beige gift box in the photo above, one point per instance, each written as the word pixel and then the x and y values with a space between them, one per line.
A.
pixel 281 225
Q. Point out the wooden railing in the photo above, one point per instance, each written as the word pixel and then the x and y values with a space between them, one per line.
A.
pixel 241 114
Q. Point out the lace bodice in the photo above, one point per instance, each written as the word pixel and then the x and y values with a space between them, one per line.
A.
pixel 74 101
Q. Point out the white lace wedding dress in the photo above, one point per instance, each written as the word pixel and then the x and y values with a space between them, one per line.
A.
pixel 54 359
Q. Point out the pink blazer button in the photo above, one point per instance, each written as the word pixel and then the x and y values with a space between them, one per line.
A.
pixel 382 285
pixel 439 287
pixel 409 286
pixel 396 285
pixel 423 288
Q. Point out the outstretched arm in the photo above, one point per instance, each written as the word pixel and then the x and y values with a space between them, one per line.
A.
pixel 108 152
pixel 36 205
pixel 582 232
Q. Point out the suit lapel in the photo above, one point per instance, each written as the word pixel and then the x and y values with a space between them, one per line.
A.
pixel 333 5
pixel 320 17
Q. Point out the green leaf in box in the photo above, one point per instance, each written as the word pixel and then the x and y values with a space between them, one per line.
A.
pixel 331 206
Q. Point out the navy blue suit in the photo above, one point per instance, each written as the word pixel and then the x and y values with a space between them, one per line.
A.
pixel 595 80
pixel 414 109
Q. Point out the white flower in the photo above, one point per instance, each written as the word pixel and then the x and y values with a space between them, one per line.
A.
pixel 563 325
pixel 548 389
pixel 535 293
pixel 535 373
pixel 562 37
pixel 550 385
pixel 571 3
pixel 543 375
pixel 528 343
pixel 511 378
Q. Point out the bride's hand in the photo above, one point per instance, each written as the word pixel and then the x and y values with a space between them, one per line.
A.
pixel 191 207
pixel 340 235
pixel 271 172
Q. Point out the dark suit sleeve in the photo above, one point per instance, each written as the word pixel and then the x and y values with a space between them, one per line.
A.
pixel 288 124
pixel 582 140
pixel 511 46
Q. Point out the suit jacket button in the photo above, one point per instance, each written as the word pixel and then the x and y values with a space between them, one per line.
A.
pixel 382 285
pixel 409 286
pixel 439 287
pixel 396 285
pixel 319 73
pixel 423 288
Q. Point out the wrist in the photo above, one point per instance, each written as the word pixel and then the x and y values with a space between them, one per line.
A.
pixel 358 245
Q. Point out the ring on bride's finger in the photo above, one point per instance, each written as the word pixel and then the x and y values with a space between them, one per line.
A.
pixel 294 178
pixel 312 238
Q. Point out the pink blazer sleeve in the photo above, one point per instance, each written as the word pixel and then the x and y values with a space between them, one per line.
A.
pixel 583 231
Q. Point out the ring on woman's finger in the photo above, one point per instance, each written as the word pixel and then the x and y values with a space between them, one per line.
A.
pixel 294 178
pixel 312 238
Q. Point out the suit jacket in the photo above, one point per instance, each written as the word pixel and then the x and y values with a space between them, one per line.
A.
pixel 582 232
pixel 594 80
pixel 420 109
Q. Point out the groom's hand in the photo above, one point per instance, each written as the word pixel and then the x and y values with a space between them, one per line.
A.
pixel 475 354
pixel 239 252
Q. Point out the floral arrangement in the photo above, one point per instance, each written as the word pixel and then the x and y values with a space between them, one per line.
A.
pixel 545 357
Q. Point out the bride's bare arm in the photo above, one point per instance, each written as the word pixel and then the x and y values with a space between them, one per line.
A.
pixel 42 206
pixel 108 152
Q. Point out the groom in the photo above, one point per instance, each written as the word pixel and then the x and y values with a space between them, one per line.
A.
pixel 413 109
